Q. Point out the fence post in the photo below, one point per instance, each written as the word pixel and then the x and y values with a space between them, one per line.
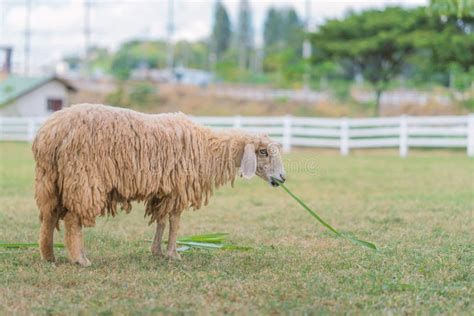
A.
pixel 403 136
pixel 237 121
pixel 470 135
pixel 344 141
pixel 287 133
pixel 31 129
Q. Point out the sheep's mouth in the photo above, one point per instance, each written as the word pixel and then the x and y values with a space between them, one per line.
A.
pixel 275 182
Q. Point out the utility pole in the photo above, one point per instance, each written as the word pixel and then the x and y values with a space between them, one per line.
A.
pixel 170 29
pixel 27 36
pixel 307 47
pixel 87 32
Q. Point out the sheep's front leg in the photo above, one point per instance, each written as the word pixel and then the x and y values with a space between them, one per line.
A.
pixel 174 226
pixel 73 240
pixel 160 229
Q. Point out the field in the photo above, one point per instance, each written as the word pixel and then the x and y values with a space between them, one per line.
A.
pixel 419 211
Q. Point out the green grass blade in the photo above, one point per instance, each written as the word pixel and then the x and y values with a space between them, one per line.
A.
pixel 204 239
pixel 212 235
pixel 183 248
pixel 361 242
pixel 200 244
pixel 25 245
pixel 310 211
pixel 235 247
pixel 324 223
pixel 209 238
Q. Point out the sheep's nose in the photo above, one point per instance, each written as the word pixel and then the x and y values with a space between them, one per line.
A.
pixel 282 177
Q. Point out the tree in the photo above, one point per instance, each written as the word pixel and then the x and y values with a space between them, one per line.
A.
pixel 135 53
pixel 459 8
pixel 293 29
pixel 191 54
pixel 452 34
pixel 272 29
pixel 374 43
pixel 221 31
pixel 283 40
pixel 282 29
pixel 245 34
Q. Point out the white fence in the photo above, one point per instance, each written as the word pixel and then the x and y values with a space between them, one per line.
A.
pixel 343 133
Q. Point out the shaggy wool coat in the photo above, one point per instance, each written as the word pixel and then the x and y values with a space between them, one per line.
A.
pixel 91 158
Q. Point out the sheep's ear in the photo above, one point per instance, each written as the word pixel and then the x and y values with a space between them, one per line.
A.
pixel 248 165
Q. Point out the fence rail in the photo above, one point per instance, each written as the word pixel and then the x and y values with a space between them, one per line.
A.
pixel 344 133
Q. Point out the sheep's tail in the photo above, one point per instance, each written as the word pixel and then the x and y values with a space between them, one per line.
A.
pixel 46 191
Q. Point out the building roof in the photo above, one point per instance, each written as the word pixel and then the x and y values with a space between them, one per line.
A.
pixel 16 86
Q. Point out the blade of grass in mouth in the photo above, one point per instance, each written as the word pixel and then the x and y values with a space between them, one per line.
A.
pixel 324 223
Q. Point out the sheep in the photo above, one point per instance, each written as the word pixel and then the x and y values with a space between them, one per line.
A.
pixel 89 158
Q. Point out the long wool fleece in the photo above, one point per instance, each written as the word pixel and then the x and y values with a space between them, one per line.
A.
pixel 91 157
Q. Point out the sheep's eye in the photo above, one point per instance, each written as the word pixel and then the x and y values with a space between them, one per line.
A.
pixel 263 152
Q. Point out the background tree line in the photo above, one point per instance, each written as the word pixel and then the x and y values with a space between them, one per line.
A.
pixel 421 46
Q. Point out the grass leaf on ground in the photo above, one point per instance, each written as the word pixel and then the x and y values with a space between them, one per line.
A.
pixel 324 223
pixel 25 245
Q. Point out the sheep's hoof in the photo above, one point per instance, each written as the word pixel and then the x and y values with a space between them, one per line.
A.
pixel 82 261
pixel 49 259
pixel 157 253
pixel 174 256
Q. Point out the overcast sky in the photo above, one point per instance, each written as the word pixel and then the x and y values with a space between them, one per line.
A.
pixel 57 25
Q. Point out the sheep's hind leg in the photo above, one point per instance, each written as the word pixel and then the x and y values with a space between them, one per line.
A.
pixel 73 240
pixel 48 223
pixel 156 246
pixel 174 226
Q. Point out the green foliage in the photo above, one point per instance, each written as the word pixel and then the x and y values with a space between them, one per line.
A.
pixel 426 46
pixel 117 97
pixel 446 41
pixel 245 34
pixel 459 8
pixel 228 71
pixel 100 59
pixel 138 53
pixel 211 241
pixel 283 40
pixel 152 54
pixel 468 104
pixel 140 95
pixel 221 32
pixel 272 29
pixel 282 28
pixel 373 42
pixel 379 44
pixel 191 54
pixel 340 88
pixel 462 80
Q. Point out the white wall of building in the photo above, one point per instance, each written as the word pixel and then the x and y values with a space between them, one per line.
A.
pixel 35 102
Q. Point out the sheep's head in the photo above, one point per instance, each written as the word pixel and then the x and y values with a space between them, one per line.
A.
pixel 263 158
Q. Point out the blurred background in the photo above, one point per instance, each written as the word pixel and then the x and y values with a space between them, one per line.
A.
pixel 265 57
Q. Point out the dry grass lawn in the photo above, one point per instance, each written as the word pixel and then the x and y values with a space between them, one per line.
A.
pixel 419 211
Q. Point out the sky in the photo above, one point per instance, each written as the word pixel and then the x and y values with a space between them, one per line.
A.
pixel 57 26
